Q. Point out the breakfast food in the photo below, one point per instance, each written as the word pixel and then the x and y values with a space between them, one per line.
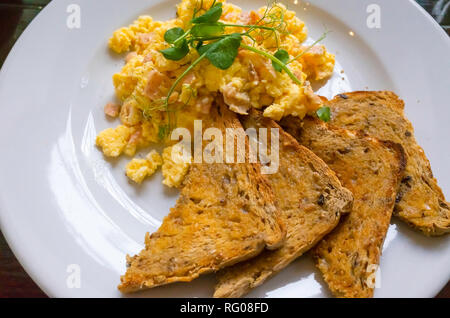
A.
pixel 420 201
pixel 138 169
pixel 371 170
pixel 310 199
pixel 175 69
pixel 113 142
pixel 174 171
pixel 215 62
pixel 225 214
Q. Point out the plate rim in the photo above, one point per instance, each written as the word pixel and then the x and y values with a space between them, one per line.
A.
pixel 18 251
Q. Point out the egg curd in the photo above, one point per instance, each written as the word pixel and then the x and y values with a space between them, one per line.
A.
pixel 251 82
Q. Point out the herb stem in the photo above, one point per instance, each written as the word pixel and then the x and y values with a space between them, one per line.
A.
pixel 274 59
pixel 324 35
pixel 249 26
pixel 178 80
pixel 182 37
pixel 208 38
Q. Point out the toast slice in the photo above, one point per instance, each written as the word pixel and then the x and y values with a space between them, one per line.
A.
pixel 311 201
pixel 371 170
pixel 420 201
pixel 225 214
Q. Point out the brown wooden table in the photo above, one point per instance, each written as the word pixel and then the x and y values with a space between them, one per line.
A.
pixel 14 17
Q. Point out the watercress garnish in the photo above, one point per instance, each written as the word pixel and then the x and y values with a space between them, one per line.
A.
pixel 283 56
pixel 222 53
pixel 207 29
pixel 212 15
pixel 173 34
pixel 207 35
pixel 177 52
pixel 324 113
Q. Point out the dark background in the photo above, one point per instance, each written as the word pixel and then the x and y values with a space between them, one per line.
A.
pixel 15 15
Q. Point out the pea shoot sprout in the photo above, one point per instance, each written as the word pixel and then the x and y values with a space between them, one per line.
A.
pixel 206 34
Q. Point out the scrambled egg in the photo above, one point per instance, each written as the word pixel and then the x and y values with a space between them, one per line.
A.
pixel 175 166
pixel 114 141
pixel 138 169
pixel 250 82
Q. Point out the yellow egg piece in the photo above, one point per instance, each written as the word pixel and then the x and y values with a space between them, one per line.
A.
pixel 139 169
pixel 175 166
pixel 113 141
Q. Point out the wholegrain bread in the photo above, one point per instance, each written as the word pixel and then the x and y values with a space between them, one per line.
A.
pixel 420 201
pixel 225 214
pixel 310 199
pixel 371 170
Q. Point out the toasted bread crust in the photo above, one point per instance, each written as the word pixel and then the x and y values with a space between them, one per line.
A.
pixel 420 201
pixel 311 200
pixel 225 214
pixel 371 170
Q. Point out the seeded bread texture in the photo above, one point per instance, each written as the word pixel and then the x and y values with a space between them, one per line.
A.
pixel 420 201
pixel 310 199
pixel 225 214
pixel 371 170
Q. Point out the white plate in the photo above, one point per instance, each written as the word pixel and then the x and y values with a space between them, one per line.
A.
pixel 64 208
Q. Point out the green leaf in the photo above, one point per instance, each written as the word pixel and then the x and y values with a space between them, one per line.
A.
pixel 173 34
pixel 207 29
pixel 176 53
pixel 223 52
pixel 324 113
pixel 211 16
pixel 283 56
pixel 201 49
